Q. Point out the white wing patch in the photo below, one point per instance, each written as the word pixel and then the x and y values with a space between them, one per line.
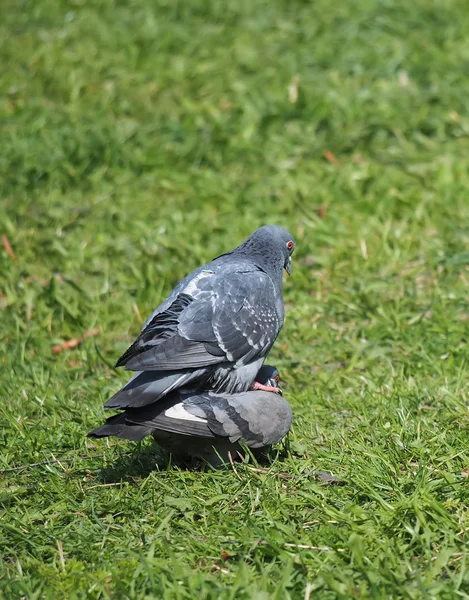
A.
pixel 179 412
pixel 192 286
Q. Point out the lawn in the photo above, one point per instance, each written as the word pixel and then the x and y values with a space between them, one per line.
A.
pixel 142 138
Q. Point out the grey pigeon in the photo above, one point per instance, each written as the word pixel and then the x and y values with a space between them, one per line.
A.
pixel 206 424
pixel 215 328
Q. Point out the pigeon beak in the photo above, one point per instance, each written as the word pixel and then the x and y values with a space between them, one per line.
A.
pixel 288 265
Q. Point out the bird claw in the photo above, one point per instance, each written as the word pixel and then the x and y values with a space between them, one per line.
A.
pixel 265 388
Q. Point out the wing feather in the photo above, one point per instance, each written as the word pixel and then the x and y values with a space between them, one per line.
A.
pixel 227 317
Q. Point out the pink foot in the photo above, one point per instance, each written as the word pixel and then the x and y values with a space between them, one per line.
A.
pixel 265 388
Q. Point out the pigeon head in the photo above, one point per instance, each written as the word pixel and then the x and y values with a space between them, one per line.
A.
pixel 271 247
pixel 268 375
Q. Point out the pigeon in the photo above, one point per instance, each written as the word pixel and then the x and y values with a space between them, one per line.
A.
pixel 215 328
pixel 208 425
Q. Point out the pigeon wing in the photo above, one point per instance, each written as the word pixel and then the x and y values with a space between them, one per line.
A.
pixel 243 318
pixel 246 322
pixel 219 317
pixel 259 418
pixel 179 289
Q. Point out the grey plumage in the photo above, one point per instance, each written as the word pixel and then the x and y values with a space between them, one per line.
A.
pixel 215 328
pixel 207 424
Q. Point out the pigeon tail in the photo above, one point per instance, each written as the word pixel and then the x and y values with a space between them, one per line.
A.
pixel 118 427
pixel 149 386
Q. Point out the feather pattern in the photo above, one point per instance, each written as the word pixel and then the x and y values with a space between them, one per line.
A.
pixel 197 423
pixel 216 327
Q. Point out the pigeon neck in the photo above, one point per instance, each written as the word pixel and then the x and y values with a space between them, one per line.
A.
pixel 270 261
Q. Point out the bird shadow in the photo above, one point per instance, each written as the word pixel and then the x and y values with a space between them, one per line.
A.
pixel 144 460
pixel 137 465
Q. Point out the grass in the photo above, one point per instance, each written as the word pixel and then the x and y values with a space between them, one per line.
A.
pixel 140 139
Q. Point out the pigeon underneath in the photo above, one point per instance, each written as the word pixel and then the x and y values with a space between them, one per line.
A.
pixel 216 327
pixel 208 425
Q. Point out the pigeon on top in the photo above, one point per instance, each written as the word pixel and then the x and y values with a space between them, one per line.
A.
pixel 216 327
pixel 206 424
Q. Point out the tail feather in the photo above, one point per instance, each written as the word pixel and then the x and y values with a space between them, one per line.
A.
pixel 118 427
pixel 149 386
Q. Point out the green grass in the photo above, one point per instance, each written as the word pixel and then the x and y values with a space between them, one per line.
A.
pixel 141 138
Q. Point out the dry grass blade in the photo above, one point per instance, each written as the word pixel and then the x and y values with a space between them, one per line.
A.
pixel 73 343
pixel 233 466
pixel 7 246
pixel 330 157
pixel 308 547
pixel 61 554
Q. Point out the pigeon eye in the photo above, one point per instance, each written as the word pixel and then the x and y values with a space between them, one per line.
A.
pixel 290 245
pixel 277 378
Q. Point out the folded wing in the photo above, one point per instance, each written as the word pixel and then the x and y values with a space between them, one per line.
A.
pixel 214 319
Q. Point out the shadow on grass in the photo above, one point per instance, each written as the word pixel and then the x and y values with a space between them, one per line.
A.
pixel 143 460
pixel 140 463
